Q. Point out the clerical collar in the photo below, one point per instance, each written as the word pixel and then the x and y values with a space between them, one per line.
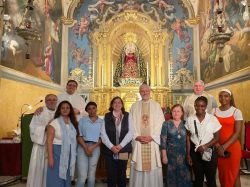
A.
pixel 146 101
pixel 70 94
pixel 49 109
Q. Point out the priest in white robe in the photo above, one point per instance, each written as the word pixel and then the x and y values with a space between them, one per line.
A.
pixel 146 117
pixel 38 161
pixel 75 99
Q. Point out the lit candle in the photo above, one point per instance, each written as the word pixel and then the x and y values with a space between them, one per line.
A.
pixel 102 75
pixel 112 73
pixel 157 74
pixel 147 74
pixel 93 73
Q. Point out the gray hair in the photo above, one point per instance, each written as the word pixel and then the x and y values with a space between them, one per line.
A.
pixel 48 95
pixel 199 81
pixel 144 84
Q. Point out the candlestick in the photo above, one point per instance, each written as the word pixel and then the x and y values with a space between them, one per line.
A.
pixel 102 75
pixel 112 76
pixel 157 74
pixel 93 73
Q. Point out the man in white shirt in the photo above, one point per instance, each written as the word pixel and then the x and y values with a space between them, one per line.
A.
pixel 188 105
pixel 75 100
pixel 38 162
pixel 146 118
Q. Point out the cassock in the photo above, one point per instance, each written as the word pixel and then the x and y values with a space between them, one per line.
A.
pixel 38 161
pixel 146 118
pixel 76 101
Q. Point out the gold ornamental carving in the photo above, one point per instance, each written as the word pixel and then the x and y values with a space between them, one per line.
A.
pixel 130 25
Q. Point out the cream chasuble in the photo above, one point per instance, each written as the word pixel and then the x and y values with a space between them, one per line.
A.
pixel 146 118
pixel 153 120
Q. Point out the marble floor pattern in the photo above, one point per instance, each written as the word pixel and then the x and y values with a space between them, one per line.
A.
pixel 245 182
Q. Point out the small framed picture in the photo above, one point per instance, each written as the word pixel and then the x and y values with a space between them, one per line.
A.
pixel 85 97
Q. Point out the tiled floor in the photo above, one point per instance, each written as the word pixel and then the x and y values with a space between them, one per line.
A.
pixel 245 182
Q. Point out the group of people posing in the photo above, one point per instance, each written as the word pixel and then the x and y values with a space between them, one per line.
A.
pixel 200 137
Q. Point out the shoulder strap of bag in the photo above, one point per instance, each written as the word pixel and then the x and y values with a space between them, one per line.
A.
pixel 195 128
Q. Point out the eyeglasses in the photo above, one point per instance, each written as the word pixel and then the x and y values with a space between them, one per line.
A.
pixel 51 100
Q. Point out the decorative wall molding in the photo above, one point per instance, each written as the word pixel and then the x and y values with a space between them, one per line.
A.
pixel 236 77
pixel 8 73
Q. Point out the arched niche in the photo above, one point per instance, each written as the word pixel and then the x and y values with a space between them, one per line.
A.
pixel 108 42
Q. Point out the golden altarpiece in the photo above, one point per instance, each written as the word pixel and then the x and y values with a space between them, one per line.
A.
pixel 129 27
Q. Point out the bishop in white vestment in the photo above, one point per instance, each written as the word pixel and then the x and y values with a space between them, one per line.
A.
pixel 38 161
pixel 146 118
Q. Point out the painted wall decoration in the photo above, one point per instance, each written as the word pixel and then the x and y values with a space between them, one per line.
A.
pixel 170 13
pixel 236 51
pixel 182 47
pixel 79 48
pixel 45 55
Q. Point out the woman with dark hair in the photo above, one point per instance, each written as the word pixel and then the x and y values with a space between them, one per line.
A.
pixel 61 141
pixel 88 150
pixel 228 148
pixel 203 133
pixel 173 149
pixel 116 136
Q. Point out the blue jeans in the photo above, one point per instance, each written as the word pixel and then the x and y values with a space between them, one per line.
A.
pixel 86 166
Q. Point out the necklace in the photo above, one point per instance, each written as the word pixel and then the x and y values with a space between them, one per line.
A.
pixel 178 131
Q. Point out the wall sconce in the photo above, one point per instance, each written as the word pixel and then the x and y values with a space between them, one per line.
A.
pixel 221 31
pixel 27 106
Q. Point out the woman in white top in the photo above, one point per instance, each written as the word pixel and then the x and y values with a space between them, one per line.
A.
pixel 61 141
pixel 203 134
pixel 228 148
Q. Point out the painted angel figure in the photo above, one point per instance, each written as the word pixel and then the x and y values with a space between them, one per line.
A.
pixel 81 26
pixel 183 57
pixel 162 4
pixel 78 55
pixel 99 6
pixel 178 28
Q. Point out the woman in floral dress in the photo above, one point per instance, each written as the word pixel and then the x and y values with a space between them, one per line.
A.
pixel 173 148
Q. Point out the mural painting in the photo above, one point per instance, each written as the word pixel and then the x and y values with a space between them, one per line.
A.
pixel 42 58
pixel 79 48
pixel 236 51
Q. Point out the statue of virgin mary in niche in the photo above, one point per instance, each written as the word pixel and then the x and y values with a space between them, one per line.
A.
pixel 131 66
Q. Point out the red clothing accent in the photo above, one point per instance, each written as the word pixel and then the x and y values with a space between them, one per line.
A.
pixel 228 167
pixel 130 57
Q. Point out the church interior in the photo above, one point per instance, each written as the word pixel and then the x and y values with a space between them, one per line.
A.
pixel 111 47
